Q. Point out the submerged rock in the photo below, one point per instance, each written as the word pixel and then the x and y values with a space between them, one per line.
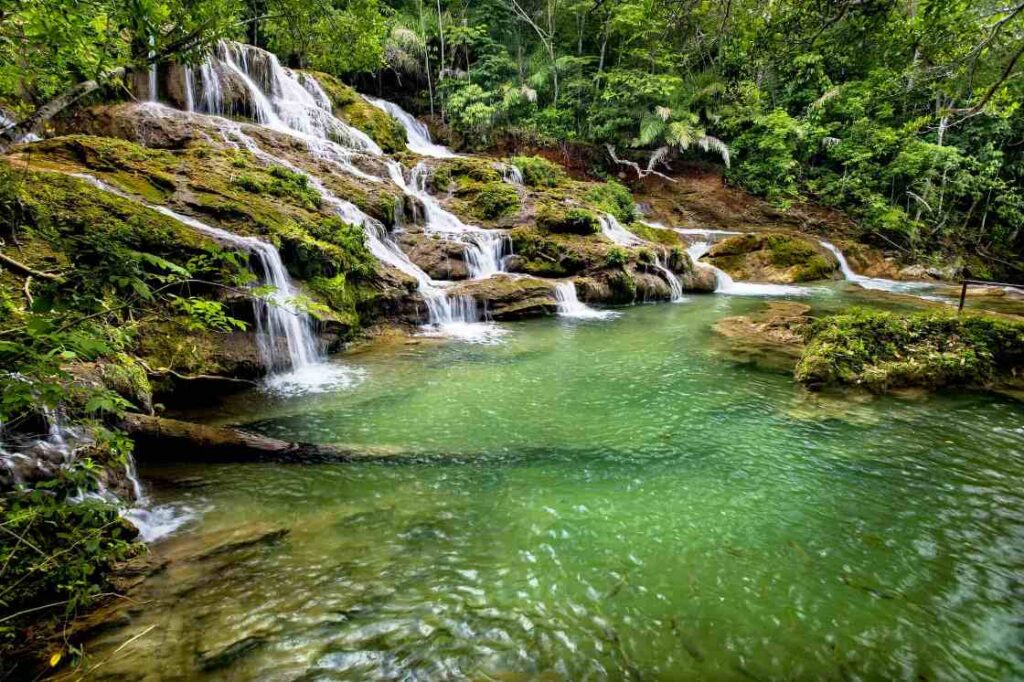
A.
pixel 772 336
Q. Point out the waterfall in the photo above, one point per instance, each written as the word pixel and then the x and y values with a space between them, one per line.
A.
pixel 510 173
pixel 569 305
pixel 213 96
pixel 611 229
pixel 484 249
pixel 278 321
pixel 296 105
pixel 448 317
pixel 152 85
pixel 726 285
pixel 190 95
pixel 417 135
pixel 674 285
pixel 877 283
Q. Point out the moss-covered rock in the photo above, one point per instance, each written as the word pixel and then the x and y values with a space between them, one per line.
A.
pixel 538 171
pixel 612 197
pixel 883 350
pixel 568 220
pixel 350 107
pixel 494 200
pixel 777 257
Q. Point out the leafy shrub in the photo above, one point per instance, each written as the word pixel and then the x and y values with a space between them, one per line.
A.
pixel 614 198
pixel 538 171
pixel 883 350
pixel 616 257
pixel 57 550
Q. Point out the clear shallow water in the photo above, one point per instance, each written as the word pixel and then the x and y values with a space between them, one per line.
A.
pixel 607 499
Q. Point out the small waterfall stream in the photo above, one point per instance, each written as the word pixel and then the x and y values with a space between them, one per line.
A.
pixel 285 333
pixel 569 304
pixel 296 104
pixel 418 137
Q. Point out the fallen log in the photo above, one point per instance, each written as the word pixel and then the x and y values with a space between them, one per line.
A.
pixel 160 439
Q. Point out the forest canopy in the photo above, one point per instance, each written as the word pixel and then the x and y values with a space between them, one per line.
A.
pixel 903 114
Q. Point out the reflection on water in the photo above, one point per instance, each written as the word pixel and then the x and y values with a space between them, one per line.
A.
pixel 607 499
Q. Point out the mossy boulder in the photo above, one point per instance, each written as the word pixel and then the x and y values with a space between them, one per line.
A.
pixel 881 351
pixel 350 107
pixel 538 171
pixel 495 200
pixel 777 257
pixel 568 220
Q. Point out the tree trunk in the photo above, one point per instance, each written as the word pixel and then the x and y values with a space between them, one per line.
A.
pixel 157 438
pixel 16 133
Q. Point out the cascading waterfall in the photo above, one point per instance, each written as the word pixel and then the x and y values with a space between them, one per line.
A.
pixel 511 174
pixel 152 85
pixel 450 316
pixel 484 249
pixel 724 283
pixel 613 230
pixel 296 105
pixel 278 321
pixel 417 136
pixel 877 283
pixel 569 304
pixel 674 285
pixel 190 95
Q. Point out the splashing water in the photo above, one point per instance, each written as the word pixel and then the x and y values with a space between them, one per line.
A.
pixel 878 283
pixel 569 305
pixel 613 230
pixel 726 285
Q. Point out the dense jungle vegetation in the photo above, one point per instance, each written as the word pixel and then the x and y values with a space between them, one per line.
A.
pixel 905 115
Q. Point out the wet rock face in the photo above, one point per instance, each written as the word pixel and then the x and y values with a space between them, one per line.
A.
pixel 509 298
pixel 776 257
pixel 441 259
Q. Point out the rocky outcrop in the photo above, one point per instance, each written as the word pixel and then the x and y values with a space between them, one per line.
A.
pixel 776 257
pixel 442 259
pixel 507 297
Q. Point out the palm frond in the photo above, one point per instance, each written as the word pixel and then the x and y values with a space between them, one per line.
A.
pixel 710 143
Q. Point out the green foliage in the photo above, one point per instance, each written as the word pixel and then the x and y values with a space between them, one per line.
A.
pixel 883 350
pixel 495 199
pixel 617 257
pixel 614 198
pixel 538 171
pixel 281 182
pixel 54 549
pixel 916 138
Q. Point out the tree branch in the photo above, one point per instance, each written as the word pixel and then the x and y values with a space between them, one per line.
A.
pixel 25 270
pixel 640 172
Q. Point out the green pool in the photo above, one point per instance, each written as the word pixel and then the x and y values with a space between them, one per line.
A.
pixel 613 499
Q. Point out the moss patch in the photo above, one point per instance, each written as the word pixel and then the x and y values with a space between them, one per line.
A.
pixel 538 171
pixel 382 128
pixel 883 350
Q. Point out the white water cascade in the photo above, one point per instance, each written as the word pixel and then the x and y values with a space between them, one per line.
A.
pixel 511 174
pixel 878 283
pixel 417 135
pixel 484 249
pixel 281 325
pixel 152 81
pixel 296 105
pixel 613 230
pixel 725 284
pixel 569 304
pixel 674 285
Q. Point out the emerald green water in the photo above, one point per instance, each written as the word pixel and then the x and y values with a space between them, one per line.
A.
pixel 602 500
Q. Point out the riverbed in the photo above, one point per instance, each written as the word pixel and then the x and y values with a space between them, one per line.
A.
pixel 619 498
